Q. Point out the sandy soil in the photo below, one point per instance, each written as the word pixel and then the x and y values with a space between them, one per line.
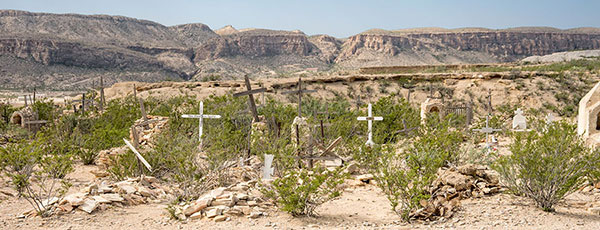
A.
pixel 362 207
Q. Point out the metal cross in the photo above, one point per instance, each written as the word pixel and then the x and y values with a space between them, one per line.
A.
pixel 487 130
pixel 201 116
pixel 250 95
pixel 370 118
pixel 299 91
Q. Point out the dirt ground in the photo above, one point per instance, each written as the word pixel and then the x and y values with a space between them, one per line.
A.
pixel 360 207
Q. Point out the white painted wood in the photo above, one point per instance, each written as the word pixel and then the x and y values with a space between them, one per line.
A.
pixel 370 118
pixel 200 116
pixel 268 169
pixel 138 155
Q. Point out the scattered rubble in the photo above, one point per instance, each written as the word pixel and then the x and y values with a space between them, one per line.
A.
pixel 455 184
pixel 99 195
pixel 220 204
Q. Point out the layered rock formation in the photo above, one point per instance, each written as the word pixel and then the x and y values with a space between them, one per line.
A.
pixel 66 50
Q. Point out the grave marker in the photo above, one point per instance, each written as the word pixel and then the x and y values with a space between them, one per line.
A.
pixel 549 119
pixel 487 130
pixel 249 92
pixel 370 118
pixel 83 101
pixel 406 130
pixel 138 155
pixel 519 121
pixel 268 168
pixel 299 92
pixel 102 99
pixel 321 124
pixel 201 116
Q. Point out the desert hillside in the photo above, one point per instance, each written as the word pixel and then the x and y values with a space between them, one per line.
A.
pixel 63 51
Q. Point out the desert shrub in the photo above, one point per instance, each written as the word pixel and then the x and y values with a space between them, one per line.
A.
pixel 300 191
pixel 406 176
pixel 393 110
pixel 18 161
pixel 547 164
pixel 45 110
pixel 23 161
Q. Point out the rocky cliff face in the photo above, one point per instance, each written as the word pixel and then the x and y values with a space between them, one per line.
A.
pixel 504 45
pixel 114 45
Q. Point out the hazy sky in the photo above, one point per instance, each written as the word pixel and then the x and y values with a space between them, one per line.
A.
pixel 340 18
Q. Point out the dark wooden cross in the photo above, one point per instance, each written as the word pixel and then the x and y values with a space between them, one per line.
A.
pixel 250 95
pixel 5 112
pixel 102 99
pixel 321 123
pixel 34 91
pixel 359 102
pixel 490 108
pixel 431 94
pixel 410 90
pixel 406 130
pixel 83 101
pixel 300 91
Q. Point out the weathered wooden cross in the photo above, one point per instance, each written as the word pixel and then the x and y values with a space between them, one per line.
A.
pixel 406 130
pixel 321 123
pixel 359 102
pixel 139 157
pixel 431 94
pixel 300 91
pixel 201 116
pixel 83 103
pixel 490 108
pixel 370 118
pixel 487 130
pixel 250 93
pixel 102 99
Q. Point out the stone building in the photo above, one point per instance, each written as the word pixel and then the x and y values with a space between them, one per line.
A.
pixel 588 118
pixel 23 116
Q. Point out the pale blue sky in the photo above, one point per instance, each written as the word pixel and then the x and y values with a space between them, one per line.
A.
pixel 336 17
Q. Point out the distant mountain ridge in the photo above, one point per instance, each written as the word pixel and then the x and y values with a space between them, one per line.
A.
pixel 66 50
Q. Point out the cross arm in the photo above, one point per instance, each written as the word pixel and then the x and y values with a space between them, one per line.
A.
pixel 249 92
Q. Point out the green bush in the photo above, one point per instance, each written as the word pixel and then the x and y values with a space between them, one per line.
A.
pixel 23 161
pixel 548 164
pixel 300 191
pixel 405 177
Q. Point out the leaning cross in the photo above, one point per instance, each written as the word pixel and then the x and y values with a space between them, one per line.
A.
pixel 138 155
pixel 250 93
pixel 487 130
pixel 300 91
pixel 200 118
pixel 370 118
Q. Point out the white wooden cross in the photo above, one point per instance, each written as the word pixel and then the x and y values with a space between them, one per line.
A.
pixel 487 130
pixel 200 118
pixel 268 169
pixel 370 118
pixel 138 155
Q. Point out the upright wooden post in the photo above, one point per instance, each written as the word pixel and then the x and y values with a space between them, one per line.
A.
pixel 83 104
pixel 101 93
